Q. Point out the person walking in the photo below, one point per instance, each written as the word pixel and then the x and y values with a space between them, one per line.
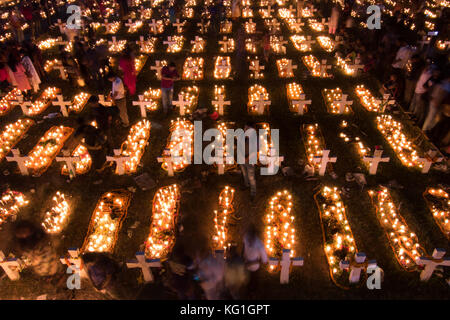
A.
pixel 19 74
pixel 33 76
pixel 118 97
pixel 236 275
pixel 169 75
pixel 439 93
pixel 334 20
pixel 249 157
pixel 126 64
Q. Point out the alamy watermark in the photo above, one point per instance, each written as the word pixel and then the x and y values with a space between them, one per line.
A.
pixel 74 20
pixel 374 21
pixel 74 280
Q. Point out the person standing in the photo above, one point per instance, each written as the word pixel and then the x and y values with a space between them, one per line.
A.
pixel 119 98
pixel 236 275
pixel 126 64
pixel 438 95
pixel 254 255
pixel 31 72
pixel 15 21
pixel 236 9
pixel 423 84
pixel 19 74
pixel 334 20
pixel 249 156
pixel 169 75
pixel 413 69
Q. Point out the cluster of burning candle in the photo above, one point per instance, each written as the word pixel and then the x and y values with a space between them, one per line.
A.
pixel 79 102
pixel 307 12
pixel 227 45
pixel 272 25
pixel 51 143
pixel 349 137
pixel 326 43
pixel 226 27
pixel 285 13
pixel 135 26
pixel 332 95
pixel 199 45
pixel 222 67
pixel 277 45
pixel 10 204
pixel 228 162
pixel 81 167
pixel 341 63
pixel 146 13
pixel 314 143
pixel 49 64
pixel 256 93
pixel 193 68
pixel 284 67
pixel 256 74
pixel 188 13
pixel 139 63
pixel 339 243
pixel 55 219
pixel 294 92
pixel 6 101
pixel 221 217
pixel 314 67
pixel 299 43
pixel 367 99
pixel 43 101
pixel 112 27
pixel 279 231
pixel 404 148
pixel 247 12
pixel 161 238
pixel 264 140
pixel 109 213
pixel 47 44
pixel 189 94
pixel 250 46
pixel 158 27
pixel 177 45
pixel 117 46
pixel 219 90
pixel 294 25
pixel 12 134
pixel 316 25
pixel 152 96
pixel 149 45
pixel 438 202
pixel 404 243
pixel 135 144
pixel 181 139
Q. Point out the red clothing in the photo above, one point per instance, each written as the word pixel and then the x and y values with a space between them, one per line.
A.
pixel 165 72
pixel 4 75
pixel 129 74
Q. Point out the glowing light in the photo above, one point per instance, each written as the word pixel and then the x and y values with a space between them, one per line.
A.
pixel 367 99
pixel 55 219
pixel 222 67
pixel 180 139
pixel 193 68
pixel 10 204
pixel 331 95
pixel 438 203
pixel 12 134
pixel 221 217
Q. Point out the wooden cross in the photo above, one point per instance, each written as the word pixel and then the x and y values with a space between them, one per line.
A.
pixel 323 68
pixel 196 41
pixel 424 41
pixel 297 25
pixel 375 161
pixel 74 262
pixel 385 102
pixel 261 104
pixel 101 100
pixel 357 266
pixel 20 161
pixel 62 104
pixel 255 67
pixel 301 104
pixel 224 43
pixel 272 160
pixel 220 102
pixel 179 25
pixel 25 105
pixel 286 262
pixel 69 160
pixel 342 103
pixel 119 160
pixel 428 161
pixel 169 160
pixel 153 26
pixel 62 71
pixel 145 265
pixel 157 67
pixel 11 266
pixel 323 161
pixel 181 103
pixel 202 27
pixel 169 42
pixel 130 23
pixel 142 103
pixel 355 67
pixel 61 25
pixel 432 262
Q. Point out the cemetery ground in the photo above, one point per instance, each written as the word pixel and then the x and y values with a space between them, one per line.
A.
pixel 200 185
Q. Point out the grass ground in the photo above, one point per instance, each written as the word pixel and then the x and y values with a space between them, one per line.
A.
pixel 198 201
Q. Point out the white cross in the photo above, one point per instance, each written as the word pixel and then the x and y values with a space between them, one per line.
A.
pixel 221 103
pixel 113 42
pixel 20 161
pixel 428 161
pixel 157 67
pixel 61 26
pixel 275 24
pixel 251 24
pixel 142 12
pixel 301 104
pixel 431 263
pixel 285 264
pixel 142 43
pixel 424 41
pixel 218 159
pixel 272 160
pixel 297 25
pixel 342 103
pixel 323 161
pixel 385 102
pixel 290 67
pixel 74 261
pixel 181 103
pixel 308 42
pixel 223 66
pixel 119 160
pixel 69 160
pixel 375 161
pixel 357 266
pixel 62 104
pixel 142 103
pixel 25 105
pixel 323 68
pixel 255 67
pixel 224 43
pixel 101 100
pixel 129 23
pixel 269 9
pixel 196 41
pixel 145 265
pixel 11 266
pixel 153 26
pixel 169 42
pixel 202 27
pixel 179 25
pixel 261 104
pixel 355 67
pixel 292 10
pixel 62 71
pixel 169 160
pixel 324 21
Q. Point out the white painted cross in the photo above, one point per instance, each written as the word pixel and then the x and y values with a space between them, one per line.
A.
pixel 220 102
pixel 74 262
pixel 285 264
pixel 375 161
pixel 169 160
pixel 202 26
pixel 424 41
pixel 385 101
pixel 142 103
pixel 157 67
pixel 269 9
pixel 196 41
pixel 289 67
pixel 181 103
pixel 275 24
pixel 224 43
pixel 25 105
pixel 145 265
pixel 169 42
pixel 323 161
pixel 428 161
pixel 261 104
pixel 142 43
pixel 62 104
pixel 308 42
pixel 357 266
pixel 179 25
pixel 342 103
pixel 297 25
pixel 20 161
pixel 218 160
pixel 69 160
pixel 11 266
pixel 102 101
pixel 301 104
pixel 153 26
pixel 272 160
pixel 130 23
pixel 62 71
pixel 119 160
pixel 430 263
pixel 355 67
pixel 255 67
pixel 323 68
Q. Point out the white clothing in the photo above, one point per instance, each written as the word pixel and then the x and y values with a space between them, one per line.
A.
pixel 255 252
pixel 118 90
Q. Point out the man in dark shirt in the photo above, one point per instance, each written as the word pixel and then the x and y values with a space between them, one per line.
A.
pixel 169 74
pixel 104 117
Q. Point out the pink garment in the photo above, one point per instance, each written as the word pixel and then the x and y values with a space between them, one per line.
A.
pixel 129 74
pixel 21 78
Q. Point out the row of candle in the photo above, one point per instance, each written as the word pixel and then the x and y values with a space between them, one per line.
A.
pixel 193 68
pixel 294 92
pixel 285 68
pixel 314 143
pixel 43 101
pixel 10 204
pixel 222 67
pixel 332 95
pixel 180 140
pixel 12 134
pixel 439 204
pixel 55 219
pixel 221 239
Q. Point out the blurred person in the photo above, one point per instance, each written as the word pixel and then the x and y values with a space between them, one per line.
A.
pixel 127 65
pixel 33 76
pixel 250 157
pixel 414 68
pixel 118 96
pixel 169 75
pixel 439 93
pixel 236 275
